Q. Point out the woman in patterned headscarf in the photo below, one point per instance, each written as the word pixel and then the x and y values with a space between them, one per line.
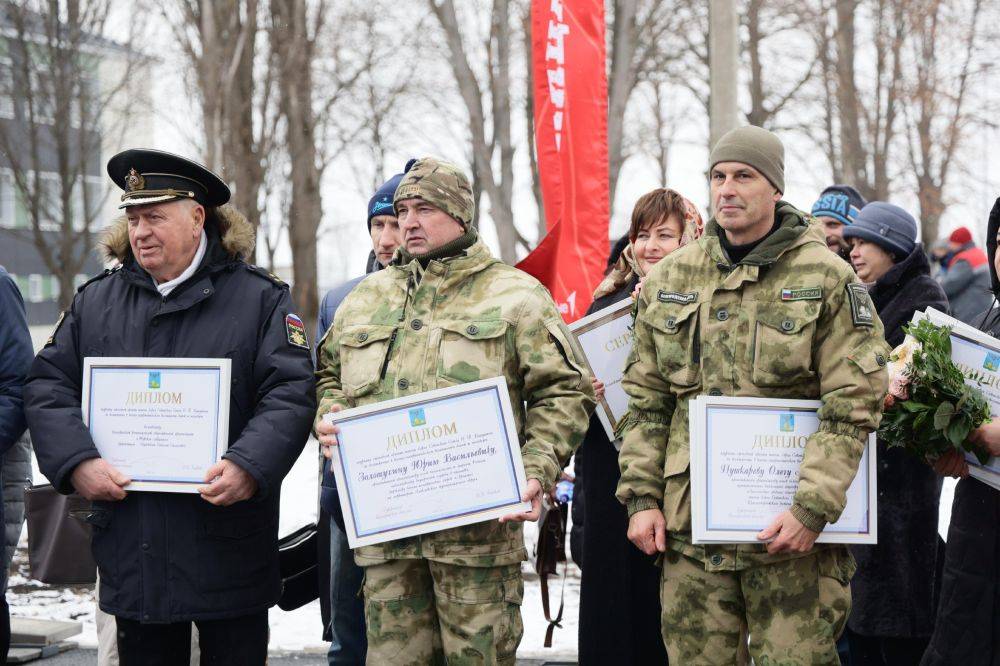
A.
pixel 619 595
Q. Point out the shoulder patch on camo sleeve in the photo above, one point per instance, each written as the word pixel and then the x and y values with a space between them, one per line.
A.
pixel 862 308
pixel 802 294
pixel 677 297
pixel 296 331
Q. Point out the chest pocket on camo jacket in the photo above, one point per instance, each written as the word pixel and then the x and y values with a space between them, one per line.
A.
pixel 471 350
pixel 678 342
pixel 783 341
pixel 364 349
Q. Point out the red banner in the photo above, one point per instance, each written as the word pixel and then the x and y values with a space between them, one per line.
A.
pixel 571 136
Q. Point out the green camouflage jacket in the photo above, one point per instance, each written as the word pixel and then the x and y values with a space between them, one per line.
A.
pixel 405 330
pixel 789 321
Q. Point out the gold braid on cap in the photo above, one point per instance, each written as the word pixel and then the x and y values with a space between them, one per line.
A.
pixel 171 192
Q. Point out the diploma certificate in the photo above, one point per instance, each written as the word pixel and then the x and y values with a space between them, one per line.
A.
pixel 977 355
pixel 606 339
pixel 745 457
pixel 160 421
pixel 428 462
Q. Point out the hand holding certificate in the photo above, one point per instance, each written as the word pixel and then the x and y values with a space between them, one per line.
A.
pixel 162 423
pixel 428 462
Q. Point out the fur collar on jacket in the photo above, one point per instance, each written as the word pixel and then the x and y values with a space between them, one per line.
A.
pixel 236 233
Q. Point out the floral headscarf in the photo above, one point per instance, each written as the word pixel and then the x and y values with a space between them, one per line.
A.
pixel 627 267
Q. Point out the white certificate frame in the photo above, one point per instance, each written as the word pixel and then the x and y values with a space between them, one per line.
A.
pixel 368 535
pixel 589 324
pixel 222 368
pixel 702 534
pixel 968 335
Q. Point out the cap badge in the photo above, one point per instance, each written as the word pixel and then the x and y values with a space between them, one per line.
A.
pixel 134 180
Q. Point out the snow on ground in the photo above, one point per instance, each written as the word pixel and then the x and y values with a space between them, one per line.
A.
pixel 302 629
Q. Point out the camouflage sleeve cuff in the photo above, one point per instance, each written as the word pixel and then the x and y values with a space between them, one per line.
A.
pixel 541 468
pixel 813 521
pixel 637 504
pixel 841 428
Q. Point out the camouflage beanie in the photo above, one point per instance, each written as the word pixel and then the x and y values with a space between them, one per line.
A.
pixel 440 183
pixel 754 146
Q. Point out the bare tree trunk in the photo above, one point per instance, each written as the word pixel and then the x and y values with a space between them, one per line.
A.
pixel 499 191
pixel 293 47
pixel 529 118
pixel 852 153
pixel 621 83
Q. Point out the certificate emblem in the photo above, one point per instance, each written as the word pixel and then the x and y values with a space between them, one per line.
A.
pixel 154 380
pixel 787 422
pixel 992 362
pixel 417 417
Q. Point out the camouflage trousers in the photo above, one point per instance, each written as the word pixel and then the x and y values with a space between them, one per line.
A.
pixel 423 612
pixel 794 610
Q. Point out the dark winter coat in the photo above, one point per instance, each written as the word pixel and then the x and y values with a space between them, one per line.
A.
pixel 620 586
pixel 966 283
pixel 893 591
pixel 15 358
pixel 16 478
pixel 968 621
pixel 169 557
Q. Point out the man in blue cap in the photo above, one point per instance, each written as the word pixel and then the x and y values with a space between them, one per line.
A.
pixel 345 620
pixel 837 207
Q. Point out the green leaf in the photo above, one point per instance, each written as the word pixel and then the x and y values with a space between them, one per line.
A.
pixel 943 414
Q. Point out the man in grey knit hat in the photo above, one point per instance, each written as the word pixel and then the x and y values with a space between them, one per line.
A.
pixel 757 307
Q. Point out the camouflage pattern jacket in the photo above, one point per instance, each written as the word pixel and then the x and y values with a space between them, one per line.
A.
pixel 408 329
pixel 789 321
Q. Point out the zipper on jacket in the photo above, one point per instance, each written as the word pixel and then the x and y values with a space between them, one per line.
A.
pixel 388 354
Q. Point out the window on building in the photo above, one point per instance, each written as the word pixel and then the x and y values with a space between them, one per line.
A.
pixel 6 82
pixel 50 201
pixel 36 288
pixel 7 199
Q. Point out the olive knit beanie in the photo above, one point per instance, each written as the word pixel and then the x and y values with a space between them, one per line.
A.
pixel 754 146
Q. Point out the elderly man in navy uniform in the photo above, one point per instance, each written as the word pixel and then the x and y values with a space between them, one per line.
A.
pixel 181 288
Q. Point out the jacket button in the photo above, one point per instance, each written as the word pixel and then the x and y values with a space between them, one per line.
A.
pixel 880 359
pixel 472 329
pixel 403 384
pixel 787 325
pixel 416 324
pixel 362 337
pixel 716 559
pixel 722 315
pixel 671 322
pixel 206 291
pixel 145 546
pixel 715 391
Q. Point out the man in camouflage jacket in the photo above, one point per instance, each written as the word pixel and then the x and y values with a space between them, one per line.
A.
pixel 445 312
pixel 758 307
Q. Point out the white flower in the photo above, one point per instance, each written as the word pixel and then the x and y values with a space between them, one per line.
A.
pixel 901 366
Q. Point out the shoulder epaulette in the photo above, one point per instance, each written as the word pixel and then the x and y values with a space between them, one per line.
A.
pixel 100 276
pixel 264 273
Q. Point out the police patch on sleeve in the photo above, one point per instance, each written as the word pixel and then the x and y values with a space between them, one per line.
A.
pixel 862 308
pixel 296 331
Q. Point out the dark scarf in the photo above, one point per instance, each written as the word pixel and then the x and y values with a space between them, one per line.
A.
pixel 450 249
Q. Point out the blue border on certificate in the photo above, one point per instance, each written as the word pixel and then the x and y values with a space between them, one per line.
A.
pixel 993 466
pixel 708 477
pixel 137 368
pixel 495 392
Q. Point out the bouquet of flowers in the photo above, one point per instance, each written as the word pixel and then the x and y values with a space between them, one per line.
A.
pixel 930 409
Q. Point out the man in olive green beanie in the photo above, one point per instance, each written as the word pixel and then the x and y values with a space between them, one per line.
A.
pixel 754 146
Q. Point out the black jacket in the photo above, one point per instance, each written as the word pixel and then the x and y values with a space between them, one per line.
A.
pixel 168 557
pixel 619 589
pixel 894 589
pixel 968 624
